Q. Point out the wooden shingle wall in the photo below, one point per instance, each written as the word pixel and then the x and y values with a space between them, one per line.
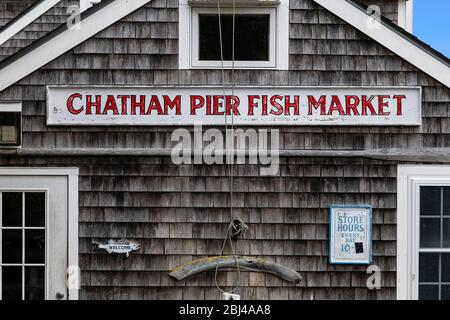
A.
pixel 179 213
pixel 46 23
pixel 9 9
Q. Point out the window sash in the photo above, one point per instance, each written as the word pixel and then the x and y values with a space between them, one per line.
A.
pixel 23 264
pixel 197 63
pixel 416 234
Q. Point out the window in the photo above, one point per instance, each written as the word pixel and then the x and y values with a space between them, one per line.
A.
pixel 260 35
pixel 10 124
pixel 434 244
pixel 254 37
pixel 23 245
pixel 423 233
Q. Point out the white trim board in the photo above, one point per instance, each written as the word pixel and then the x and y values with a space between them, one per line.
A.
pixel 67 40
pixel 405 14
pixel 186 32
pixel 72 196
pixel 10 106
pixel 389 39
pixel 409 179
pixel 19 24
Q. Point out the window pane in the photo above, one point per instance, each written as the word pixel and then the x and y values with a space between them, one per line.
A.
pixel 35 246
pixel 12 209
pixel 429 267
pixel 430 233
pixel 12 246
pixel 34 283
pixel 428 292
pixel 430 201
pixel 445 267
pixel 446 233
pixel 445 292
pixel 12 283
pixel 10 128
pixel 35 209
pixel 446 201
pixel 251 37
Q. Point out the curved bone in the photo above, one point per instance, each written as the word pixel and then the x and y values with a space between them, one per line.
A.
pixel 247 263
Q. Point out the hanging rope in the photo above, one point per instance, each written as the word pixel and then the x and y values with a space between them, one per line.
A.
pixel 236 227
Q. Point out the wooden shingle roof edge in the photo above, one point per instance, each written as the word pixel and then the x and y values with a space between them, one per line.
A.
pixel 63 39
pixel 99 17
pixel 392 37
pixel 405 34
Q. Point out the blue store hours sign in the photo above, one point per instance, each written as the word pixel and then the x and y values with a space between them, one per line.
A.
pixel 350 235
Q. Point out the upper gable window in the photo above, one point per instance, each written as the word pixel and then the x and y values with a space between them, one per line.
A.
pixel 260 37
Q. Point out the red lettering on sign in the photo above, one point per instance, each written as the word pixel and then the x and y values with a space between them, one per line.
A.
pixel 171 104
pixel 216 105
pixel 90 104
pixel 252 104
pixel 124 102
pixel 314 104
pixel 232 104
pixel 274 102
pixel 154 105
pixel 196 103
pixel 138 104
pixel 110 105
pixel 351 105
pixel 399 104
pixel 382 103
pixel 70 107
pixel 367 103
pixel 336 106
pixel 295 104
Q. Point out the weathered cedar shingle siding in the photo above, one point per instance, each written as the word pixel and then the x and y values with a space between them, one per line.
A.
pixel 46 23
pixel 178 213
pixel 10 9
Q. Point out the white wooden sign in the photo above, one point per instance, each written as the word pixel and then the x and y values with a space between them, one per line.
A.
pixel 346 106
pixel 350 235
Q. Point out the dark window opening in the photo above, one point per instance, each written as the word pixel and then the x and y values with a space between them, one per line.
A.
pixel 10 128
pixel 251 42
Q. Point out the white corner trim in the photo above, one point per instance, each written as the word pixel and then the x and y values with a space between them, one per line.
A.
pixel 18 25
pixel 389 39
pixel 67 40
pixel 405 15
pixel 72 261
pixel 283 36
pixel 409 16
pixel 409 179
pixel 184 35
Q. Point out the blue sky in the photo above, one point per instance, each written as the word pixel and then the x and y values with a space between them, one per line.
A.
pixel 432 23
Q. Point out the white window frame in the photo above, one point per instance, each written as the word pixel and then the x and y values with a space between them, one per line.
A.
pixel 46 229
pixel 72 220
pixel 409 180
pixel 279 36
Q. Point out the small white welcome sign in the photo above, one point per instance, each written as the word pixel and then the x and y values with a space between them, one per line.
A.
pixel 350 235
